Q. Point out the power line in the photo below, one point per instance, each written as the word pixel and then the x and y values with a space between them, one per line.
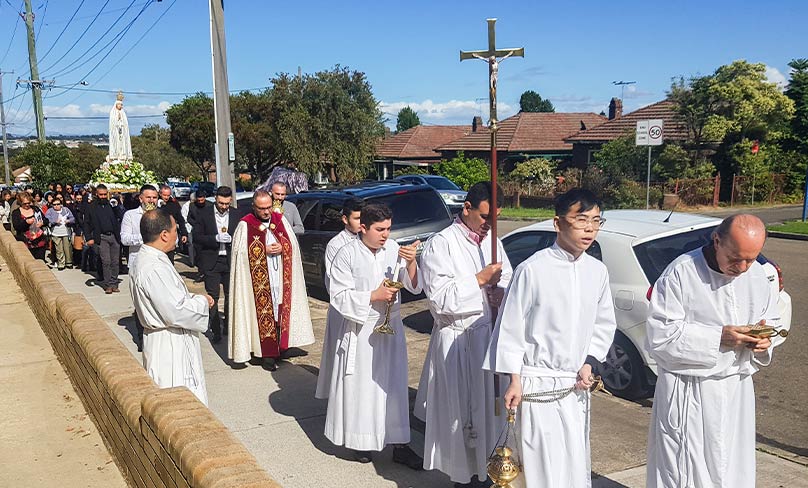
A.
pixel 57 22
pixel 79 38
pixel 87 51
pixel 13 33
pixel 135 93
pixel 63 31
pixel 41 20
pixel 102 117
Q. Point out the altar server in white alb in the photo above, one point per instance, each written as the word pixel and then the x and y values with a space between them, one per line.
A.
pixel 557 311
pixel 368 407
pixel 172 317
pixel 455 395
pixel 702 431
pixel 351 212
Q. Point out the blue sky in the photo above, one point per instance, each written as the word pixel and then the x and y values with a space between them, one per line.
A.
pixel 409 51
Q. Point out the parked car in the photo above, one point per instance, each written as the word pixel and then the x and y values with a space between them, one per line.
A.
pixel 452 195
pixel 208 186
pixel 636 246
pixel 181 190
pixel 418 213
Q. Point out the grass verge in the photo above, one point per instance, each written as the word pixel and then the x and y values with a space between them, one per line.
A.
pixel 510 213
pixel 793 227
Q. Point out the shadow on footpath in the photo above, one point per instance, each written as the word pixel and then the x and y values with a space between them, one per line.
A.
pixel 294 398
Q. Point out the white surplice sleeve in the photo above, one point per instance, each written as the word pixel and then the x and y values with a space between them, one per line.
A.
pixel 130 233
pixel 450 290
pixel 506 351
pixel 173 304
pixel 351 303
pixel 772 317
pixel 605 323
pixel 677 345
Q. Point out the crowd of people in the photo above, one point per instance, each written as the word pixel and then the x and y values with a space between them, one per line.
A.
pixel 537 330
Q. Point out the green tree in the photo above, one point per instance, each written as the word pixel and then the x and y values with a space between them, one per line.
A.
pixel 539 172
pixel 464 171
pixel 798 93
pixel 326 122
pixel 193 131
pixel 252 128
pixel 48 162
pixel 85 159
pixel 531 101
pixel 153 150
pixel 407 119
pixel 621 158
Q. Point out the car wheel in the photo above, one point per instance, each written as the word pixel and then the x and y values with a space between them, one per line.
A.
pixel 623 369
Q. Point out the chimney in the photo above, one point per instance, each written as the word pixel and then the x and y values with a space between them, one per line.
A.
pixel 615 108
pixel 476 123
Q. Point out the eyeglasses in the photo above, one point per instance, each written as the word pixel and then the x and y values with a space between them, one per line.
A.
pixel 580 222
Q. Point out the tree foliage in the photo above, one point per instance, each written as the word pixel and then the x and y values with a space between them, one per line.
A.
pixel 407 119
pixel 540 172
pixel 326 122
pixel 85 159
pixel 48 162
pixel 464 171
pixel 252 128
pixel 153 150
pixel 531 101
pixel 193 131
pixel 798 93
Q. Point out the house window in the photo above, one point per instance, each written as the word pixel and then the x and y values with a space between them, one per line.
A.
pixel 590 155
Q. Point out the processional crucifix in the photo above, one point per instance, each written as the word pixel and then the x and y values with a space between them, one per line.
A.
pixel 490 56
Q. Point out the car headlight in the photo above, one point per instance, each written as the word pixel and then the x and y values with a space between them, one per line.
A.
pixel 447 197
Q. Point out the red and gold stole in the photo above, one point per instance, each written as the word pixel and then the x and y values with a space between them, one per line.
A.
pixel 272 331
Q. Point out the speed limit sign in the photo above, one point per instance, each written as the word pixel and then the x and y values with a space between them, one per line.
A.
pixel 649 132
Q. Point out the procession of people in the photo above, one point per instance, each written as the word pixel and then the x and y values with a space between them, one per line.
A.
pixel 534 332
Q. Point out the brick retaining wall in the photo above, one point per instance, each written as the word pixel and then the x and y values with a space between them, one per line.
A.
pixel 158 437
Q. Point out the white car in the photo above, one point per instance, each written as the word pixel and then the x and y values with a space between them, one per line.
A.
pixel 636 246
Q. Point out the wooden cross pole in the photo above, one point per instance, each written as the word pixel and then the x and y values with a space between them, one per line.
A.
pixel 490 56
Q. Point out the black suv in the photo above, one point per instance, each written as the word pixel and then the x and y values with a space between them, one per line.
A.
pixel 418 213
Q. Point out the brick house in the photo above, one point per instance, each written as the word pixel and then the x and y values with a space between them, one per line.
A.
pixel 525 135
pixel 415 147
pixel 586 142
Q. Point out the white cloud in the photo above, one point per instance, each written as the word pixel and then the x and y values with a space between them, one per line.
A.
pixel 446 113
pixel 633 92
pixel 775 76
pixel 577 103
pixel 71 110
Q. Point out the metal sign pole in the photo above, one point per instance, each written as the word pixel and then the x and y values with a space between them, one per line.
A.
pixel 648 182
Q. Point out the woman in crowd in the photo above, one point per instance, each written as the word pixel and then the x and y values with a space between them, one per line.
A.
pixel 30 224
pixel 5 209
pixel 61 222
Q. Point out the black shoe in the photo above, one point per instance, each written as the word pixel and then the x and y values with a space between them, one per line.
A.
pixel 406 456
pixel 363 457
pixel 270 364
pixel 293 353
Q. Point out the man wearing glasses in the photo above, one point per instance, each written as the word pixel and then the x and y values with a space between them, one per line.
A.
pixel 557 312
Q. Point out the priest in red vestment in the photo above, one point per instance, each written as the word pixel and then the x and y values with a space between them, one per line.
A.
pixel 269 308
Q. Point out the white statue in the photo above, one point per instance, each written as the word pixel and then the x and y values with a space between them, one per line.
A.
pixel 120 146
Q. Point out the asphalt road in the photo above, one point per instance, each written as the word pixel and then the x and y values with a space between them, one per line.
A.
pixel 781 391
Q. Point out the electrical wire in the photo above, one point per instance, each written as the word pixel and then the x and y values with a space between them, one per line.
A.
pixel 91 16
pixel 81 36
pixel 62 33
pixel 13 33
pixel 102 117
pixel 117 39
pixel 136 93
pixel 42 20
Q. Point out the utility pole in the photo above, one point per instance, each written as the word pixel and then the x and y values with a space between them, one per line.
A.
pixel 36 83
pixel 3 123
pixel 225 143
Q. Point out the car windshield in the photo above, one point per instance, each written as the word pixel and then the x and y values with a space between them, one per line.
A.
pixel 182 185
pixel 441 184
pixel 654 256
pixel 414 207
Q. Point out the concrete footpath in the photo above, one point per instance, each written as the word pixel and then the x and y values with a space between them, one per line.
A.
pixel 278 419
pixel 46 437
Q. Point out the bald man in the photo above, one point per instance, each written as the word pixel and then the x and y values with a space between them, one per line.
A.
pixel 702 431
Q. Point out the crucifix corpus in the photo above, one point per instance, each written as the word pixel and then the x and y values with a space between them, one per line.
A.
pixel 490 56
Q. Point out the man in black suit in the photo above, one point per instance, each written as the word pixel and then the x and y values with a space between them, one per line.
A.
pixel 102 229
pixel 212 231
